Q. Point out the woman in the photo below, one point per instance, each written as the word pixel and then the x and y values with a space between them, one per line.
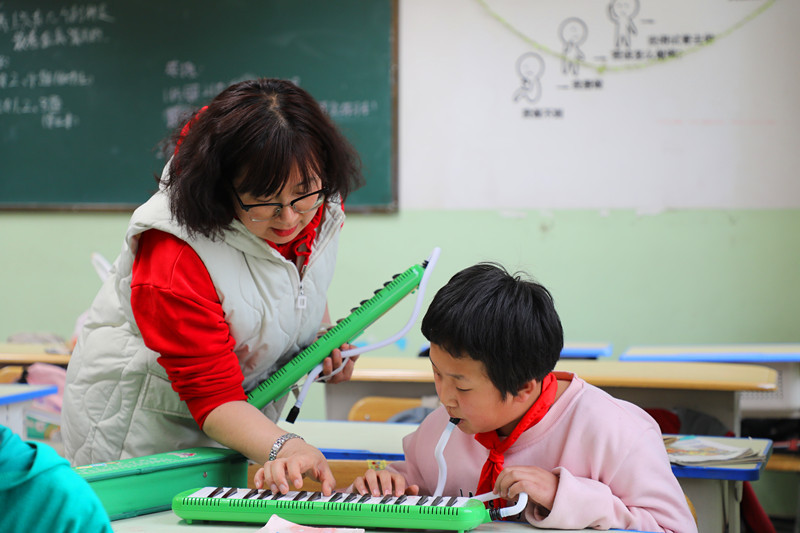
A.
pixel 222 280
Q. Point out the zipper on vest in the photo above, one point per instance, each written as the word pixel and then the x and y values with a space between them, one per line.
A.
pixel 301 296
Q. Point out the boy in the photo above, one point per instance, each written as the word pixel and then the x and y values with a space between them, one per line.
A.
pixel 584 458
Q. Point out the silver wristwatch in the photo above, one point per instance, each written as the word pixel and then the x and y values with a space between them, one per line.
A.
pixel 273 454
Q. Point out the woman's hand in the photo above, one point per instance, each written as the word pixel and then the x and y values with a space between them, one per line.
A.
pixel 334 361
pixel 539 484
pixel 383 483
pixel 295 459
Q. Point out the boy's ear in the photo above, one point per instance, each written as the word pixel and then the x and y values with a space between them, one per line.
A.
pixel 529 389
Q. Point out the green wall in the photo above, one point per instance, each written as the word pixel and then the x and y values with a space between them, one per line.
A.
pixel 676 277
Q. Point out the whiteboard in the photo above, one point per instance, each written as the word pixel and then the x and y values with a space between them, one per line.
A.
pixel 643 104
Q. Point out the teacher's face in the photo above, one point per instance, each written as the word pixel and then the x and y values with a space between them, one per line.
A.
pixel 281 225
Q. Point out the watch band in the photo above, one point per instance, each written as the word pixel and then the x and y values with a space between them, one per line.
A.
pixel 273 454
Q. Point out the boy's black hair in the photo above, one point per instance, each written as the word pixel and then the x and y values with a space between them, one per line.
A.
pixel 509 323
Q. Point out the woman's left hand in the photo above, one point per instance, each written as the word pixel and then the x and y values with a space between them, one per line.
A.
pixel 334 361
pixel 295 459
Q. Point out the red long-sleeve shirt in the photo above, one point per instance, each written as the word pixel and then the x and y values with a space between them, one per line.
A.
pixel 180 316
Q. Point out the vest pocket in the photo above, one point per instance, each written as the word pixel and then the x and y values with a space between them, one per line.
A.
pixel 159 397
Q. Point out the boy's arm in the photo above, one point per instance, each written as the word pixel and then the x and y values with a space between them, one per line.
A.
pixel 640 492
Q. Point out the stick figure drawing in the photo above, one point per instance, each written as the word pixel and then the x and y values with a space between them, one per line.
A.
pixel 573 32
pixel 530 67
pixel 622 13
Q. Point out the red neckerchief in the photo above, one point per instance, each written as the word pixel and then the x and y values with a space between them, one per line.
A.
pixel 300 246
pixel 497 446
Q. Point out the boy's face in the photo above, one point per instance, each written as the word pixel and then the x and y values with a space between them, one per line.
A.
pixel 466 391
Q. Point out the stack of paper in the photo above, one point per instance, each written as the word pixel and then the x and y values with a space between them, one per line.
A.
pixel 697 451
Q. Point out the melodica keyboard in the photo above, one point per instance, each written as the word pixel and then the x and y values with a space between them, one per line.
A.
pixel 230 504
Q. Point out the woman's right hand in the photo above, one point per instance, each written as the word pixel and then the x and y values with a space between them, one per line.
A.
pixel 383 483
pixel 295 459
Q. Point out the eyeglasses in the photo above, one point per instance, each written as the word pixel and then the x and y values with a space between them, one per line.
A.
pixel 268 211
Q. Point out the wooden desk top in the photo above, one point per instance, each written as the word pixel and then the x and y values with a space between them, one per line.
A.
pixel 782 462
pixel 640 375
pixel 725 353
pixel 27 354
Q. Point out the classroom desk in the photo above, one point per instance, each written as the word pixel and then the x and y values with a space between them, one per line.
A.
pixel 168 522
pixel 719 353
pixel 783 402
pixel 367 440
pixel 14 397
pixel 586 350
pixel 12 353
pixel 713 388
pixel 716 491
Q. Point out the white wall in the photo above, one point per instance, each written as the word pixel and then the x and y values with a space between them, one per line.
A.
pixel 716 128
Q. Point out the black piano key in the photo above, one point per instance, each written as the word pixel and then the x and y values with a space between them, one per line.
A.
pixel 215 492
pixel 250 494
pixel 436 501
pixel 231 492
pixel 265 494
pixel 300 495
pixel 386 499
pixel 350 497
pixel 401 499
pixel 315 496
pixel 336 496
pixel 423 499
pixel 364 498
pixel 451 502
pixel 276 496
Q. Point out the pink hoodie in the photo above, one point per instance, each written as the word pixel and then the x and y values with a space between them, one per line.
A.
pixel 609 455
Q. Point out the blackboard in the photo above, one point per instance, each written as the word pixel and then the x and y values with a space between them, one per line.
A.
pixel 87 91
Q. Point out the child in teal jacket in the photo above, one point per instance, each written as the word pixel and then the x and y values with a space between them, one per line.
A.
pixel 39 492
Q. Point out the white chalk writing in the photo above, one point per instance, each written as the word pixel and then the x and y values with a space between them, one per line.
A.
pixel 24 20
pixel 349 109
pixel 45 78
pixel 181 69
pixel 49 107
pixel 29 30
pixel 72 26
pixel 176 115
pixel 71 36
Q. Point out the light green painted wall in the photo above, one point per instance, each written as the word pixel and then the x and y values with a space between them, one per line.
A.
pixel 674 277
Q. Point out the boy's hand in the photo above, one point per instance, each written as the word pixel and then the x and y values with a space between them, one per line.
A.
pixel 539 484
pixel 383 483
pixel 295 459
